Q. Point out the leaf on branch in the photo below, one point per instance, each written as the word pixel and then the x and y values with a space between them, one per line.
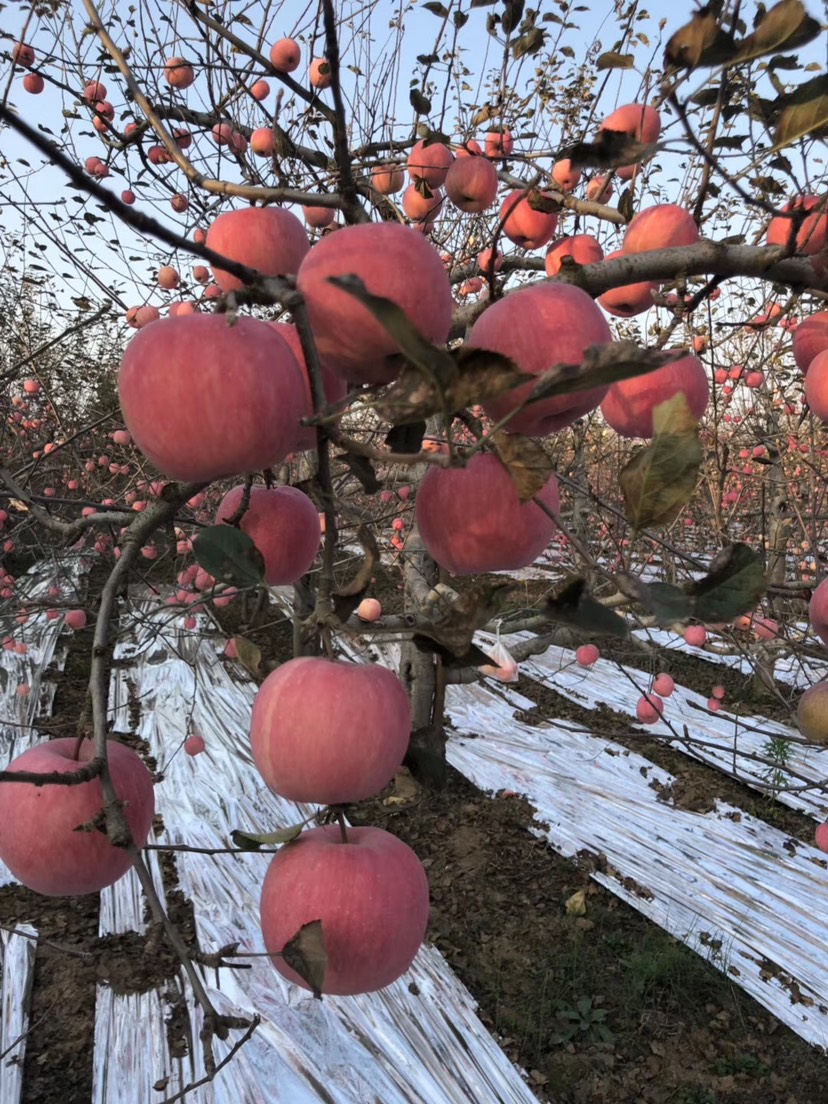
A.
pixel 702 41
pixel 615 61
pixel 406 438
pixel 482 116
pixel 733 586
pixel 626 204
pixel 573 605
pixel 602 365
pixel 543 202
pixel 666 602
pixel 451 634
pixel 610 150
pixel 529 43
pixel 787 24
pixel 526 462
pixel 659 480
pixel 804 111
pixel 420 103
pixel 360 467
pixel 347 597
pixel 306 954
pixel 436 9
pixel 479 375
pixel 460 19
pixel 251 841
pixel 229 555
pixel 512 15
pixel 482 3
pixel 249 655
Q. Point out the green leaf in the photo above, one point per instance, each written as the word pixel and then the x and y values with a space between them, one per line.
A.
pixel 615 61
pixel 804 111
pixel 524 458
pixel 229 555
pixel 305 953
pixel 574 605
pixel 659 480
pixel 250 841
pixel 733 586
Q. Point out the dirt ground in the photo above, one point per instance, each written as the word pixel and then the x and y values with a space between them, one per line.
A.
pixel 602 1008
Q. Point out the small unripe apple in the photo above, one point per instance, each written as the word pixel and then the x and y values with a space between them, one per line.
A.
pixel 649 708
pixel 587 654
pixel 194 745
pixel 695 636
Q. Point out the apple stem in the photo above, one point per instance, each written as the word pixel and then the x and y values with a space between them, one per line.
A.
pixel 340 816
pixel 77 747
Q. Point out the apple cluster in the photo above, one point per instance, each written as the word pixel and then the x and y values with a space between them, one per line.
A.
pixel 329 732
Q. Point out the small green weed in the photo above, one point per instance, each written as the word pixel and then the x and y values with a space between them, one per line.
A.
pixel 581 1019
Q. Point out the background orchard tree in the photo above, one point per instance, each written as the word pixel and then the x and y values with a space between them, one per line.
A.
pixel 658 184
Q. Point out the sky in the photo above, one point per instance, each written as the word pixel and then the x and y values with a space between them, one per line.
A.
pixel 117 261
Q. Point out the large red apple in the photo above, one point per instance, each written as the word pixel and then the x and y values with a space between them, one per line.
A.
pixel 38 841
pixel 283 523
pixel 582 248
pixel 818 611
pixel 430 163
pixel 371 895
pixel 269 239
pixel 471 519
pixel 810 337
pixel 471 183
pixel 538 327
pixel 630 299
pixel 329 732
pixel 660 227
pixel 204 399
pixel 393 261
pixel 816 385
pixel 523 224
pixel 810 238
pixel 629 404
pixel 335 386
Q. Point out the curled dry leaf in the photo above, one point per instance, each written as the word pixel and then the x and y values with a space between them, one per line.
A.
pixel 610 150
pixel 573 605
pixel 526 462
pixel 306 954
pixel 602 366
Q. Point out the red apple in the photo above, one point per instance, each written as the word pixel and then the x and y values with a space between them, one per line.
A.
pixel 262 142
pixel 663 685
pixel 430 163
pixel 582 248
pixel 498 143
pixel 387 179
pixel 335 386
pixel 369 609
pixel 587 654
pixel 821 837
pixel 329 732
pixel 204 399
pixel 38 841
pixel 471 519
pixel 538 327
pixel 695 636
pixel 522 224
pixel 629 404
pixel 23 55
pixel 393 261
pixel 194 745
pixel 168 278
pixel 660 227
pixel 816 385
pixel 260 90
pixel 283 523
pixel 810 238
pixel 178 73
pixel 812 714
pixel 269 239
pixel 639 121
pixel 599 189
pixel 371 895
pixel 649 708
pixel 421 208
pixel 471 183
pixel 629 299
pixel 319 73
pixel 319 217
pixel 285 55
pixel 564 175
pixel 33 83
pixel 810 337
pixel 818 611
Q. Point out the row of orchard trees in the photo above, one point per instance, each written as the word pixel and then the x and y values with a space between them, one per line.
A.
pixel 484 281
